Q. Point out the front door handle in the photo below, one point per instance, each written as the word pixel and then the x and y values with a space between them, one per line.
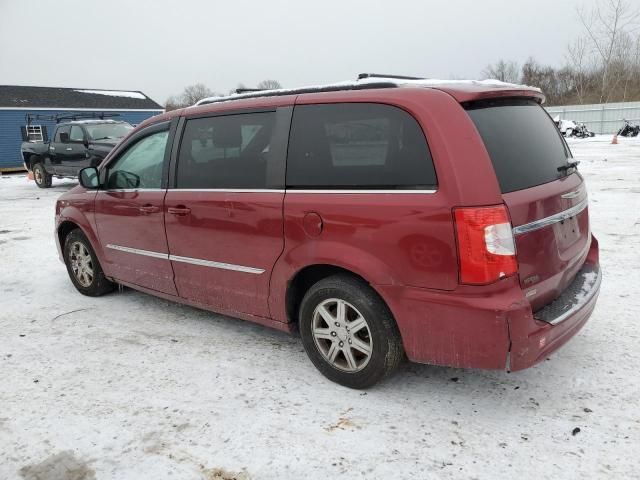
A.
pixel 180 210
pixel 146 209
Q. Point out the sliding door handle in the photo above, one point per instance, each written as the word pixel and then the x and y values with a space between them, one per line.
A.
pixel 180 210
pixel 149 209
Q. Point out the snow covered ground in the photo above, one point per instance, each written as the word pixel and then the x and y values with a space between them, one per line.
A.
pixel 128 386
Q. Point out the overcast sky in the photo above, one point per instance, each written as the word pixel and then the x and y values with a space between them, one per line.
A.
pixel 159 46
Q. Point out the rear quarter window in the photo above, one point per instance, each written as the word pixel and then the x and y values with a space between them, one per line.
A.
pixel 357 146
pixel 523 142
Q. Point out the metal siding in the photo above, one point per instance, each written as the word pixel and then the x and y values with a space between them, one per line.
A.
pixel 600 118
pixel 12 120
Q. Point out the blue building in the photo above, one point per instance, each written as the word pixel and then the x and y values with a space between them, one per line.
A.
pixel 19 102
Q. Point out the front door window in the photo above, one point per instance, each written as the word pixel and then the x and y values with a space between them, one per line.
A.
pixel 141 165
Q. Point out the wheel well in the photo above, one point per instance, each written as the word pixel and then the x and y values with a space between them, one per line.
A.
pixel 303 280
pixel 65 229
pixel 30 159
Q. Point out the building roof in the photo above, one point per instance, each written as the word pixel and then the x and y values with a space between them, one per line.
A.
pixel 16 96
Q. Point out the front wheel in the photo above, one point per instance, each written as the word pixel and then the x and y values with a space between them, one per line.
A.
pixel 349 333
pixel 41 177
pixel 83 267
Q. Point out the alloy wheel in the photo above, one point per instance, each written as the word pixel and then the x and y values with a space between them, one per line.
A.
pixel 81 264
pixel 342 335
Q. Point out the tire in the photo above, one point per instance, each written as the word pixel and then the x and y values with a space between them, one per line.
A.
pixel 379 333
pixel 41 177
pixel 83 266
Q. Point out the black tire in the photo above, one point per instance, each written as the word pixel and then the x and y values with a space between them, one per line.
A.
pixel 382 332
pixel 41 177
pixel 93 285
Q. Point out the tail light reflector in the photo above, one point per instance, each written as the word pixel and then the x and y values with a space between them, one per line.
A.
pixel 486 248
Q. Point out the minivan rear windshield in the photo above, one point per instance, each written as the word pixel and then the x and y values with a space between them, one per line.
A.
pixel 524 144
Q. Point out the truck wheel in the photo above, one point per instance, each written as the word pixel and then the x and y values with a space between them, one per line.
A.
pixel 349 333
pixel 82 264
pixel 40 175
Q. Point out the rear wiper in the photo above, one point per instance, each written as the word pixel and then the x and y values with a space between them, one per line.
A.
pixel 568 166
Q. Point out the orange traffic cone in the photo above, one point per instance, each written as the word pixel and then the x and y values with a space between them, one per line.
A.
pixel 615 140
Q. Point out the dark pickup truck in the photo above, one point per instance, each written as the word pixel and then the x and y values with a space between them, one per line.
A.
pixel 75 145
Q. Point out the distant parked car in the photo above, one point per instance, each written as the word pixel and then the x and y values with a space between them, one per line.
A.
pixel 75 145
pixel 445 222
pixel 629 130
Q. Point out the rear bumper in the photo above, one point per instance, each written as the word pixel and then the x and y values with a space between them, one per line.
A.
pixel 491 327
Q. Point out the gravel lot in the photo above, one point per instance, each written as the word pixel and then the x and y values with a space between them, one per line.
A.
pixel 128 386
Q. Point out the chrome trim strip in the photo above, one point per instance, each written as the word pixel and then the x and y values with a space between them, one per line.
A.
pixel 276 190
pixel 342 191
pixel 558 217
pixel 138 251
pixel 587 298
pixel 129 190
pixel 573 194
pixel 192 261
pixel 209 263
pixel 229 190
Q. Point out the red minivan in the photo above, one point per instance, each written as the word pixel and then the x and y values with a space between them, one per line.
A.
pixel 441 221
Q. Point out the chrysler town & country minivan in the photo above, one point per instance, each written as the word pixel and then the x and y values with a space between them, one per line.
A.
pixel 442 222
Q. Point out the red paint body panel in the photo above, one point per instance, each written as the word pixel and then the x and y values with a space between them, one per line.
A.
pixel 403 244
pixel 527 333
pixel 120 221
pixel 388 239
pixel 241 228
pixel 550 257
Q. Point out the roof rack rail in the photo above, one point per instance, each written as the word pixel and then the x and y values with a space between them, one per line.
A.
pixel 298 91
pixel 59 117
pixel 380 75
pixel 248 90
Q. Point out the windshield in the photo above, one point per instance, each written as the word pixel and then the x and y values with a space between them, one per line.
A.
pixel 524 144
pixel 101 131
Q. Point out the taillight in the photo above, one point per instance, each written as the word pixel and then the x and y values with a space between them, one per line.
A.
pixel 486 248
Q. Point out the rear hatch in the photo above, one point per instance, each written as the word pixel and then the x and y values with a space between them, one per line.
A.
pixel 545 196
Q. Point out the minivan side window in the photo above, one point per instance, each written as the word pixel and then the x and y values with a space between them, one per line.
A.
pixel 141 164
pixel 357 146
pixel 229 151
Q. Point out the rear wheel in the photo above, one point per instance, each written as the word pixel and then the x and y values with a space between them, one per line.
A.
pixel 83 267
pixel 349 333
pixel 41 177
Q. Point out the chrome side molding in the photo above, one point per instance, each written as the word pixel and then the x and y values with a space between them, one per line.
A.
pixel 212 264
pixel 192 261
pixel 137 251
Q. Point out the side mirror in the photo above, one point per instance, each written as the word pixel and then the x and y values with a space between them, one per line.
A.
pixel 88 178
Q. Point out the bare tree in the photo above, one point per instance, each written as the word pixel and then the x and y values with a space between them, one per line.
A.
pixel 194 93
pixel 629 54
pixel 269 85
pixel 189 96
pixel 605 25
pixel 505 71
pixel 580 65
